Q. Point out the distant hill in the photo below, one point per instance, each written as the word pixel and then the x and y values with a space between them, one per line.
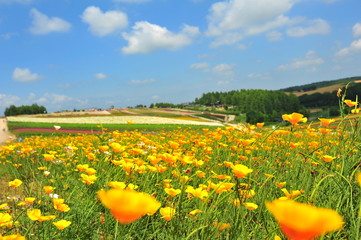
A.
pixel 323 94
pixel 322 87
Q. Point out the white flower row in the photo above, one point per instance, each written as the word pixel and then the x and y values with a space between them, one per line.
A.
pixel 113 120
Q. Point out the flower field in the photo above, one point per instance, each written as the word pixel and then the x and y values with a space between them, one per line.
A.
pixel 284 183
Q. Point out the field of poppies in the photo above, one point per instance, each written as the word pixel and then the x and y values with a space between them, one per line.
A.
pixel 296 182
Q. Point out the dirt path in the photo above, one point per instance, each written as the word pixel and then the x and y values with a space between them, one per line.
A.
pixel 4 132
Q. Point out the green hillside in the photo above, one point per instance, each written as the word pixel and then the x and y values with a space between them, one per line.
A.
pixel 317 85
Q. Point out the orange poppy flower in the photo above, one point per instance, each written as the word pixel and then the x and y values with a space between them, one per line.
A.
pixel 328 158
pixel 294 118
pixel 49 189
pixel 127 205
pixel 241 170
pixel 350 103
pixel 325 122
pixel 299 221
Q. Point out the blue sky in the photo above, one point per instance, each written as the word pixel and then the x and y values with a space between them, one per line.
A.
pixel 68 54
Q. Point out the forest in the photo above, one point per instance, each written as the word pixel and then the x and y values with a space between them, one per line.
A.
pixel 316 85
pixel 258 105
pixel 328 99
pixel 24 109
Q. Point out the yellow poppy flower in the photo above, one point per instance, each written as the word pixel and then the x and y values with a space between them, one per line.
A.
pixel 35 215
pixel 240 170
pixel 294 118
pixel 62 224
pixel 172 192
pixel 167 213
pixel 15 183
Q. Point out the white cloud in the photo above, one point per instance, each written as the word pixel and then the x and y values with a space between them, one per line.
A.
pixel 316 26
pixel 274 36
pixel 60 100
pixel 230 21
pixel 224 70
pixel 100 76
pixel 145 81
pixel 155 97
pixel 236 14
pixel 242 47
pixel 57 98
pixel 190 30
pixel 225 82
pixel 103 23
pixel 262 76
pixel 7 35
pixel 42 24
pixel 65 85
pixel 24 75
pixel 310 61
pixel 227 38
pixel 201 65
pixel 356 30
pixel 6 100
pixel 223 67
pixel 354 47
pixel 146 37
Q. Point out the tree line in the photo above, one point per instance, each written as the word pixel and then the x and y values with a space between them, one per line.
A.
pixel 258 105
pixel 329 99
pixel 316 85
pixel 24 109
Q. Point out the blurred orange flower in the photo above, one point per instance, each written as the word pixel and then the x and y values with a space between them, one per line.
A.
pixel 299 221
pixel 328 158
pixel 49 189
pixel 350 103
pixel 325 122
pixel 15 183
pixel 241 170
pixel 294 118
pixel 127 205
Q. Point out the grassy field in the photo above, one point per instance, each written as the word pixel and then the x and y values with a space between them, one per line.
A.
pixel 197 182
